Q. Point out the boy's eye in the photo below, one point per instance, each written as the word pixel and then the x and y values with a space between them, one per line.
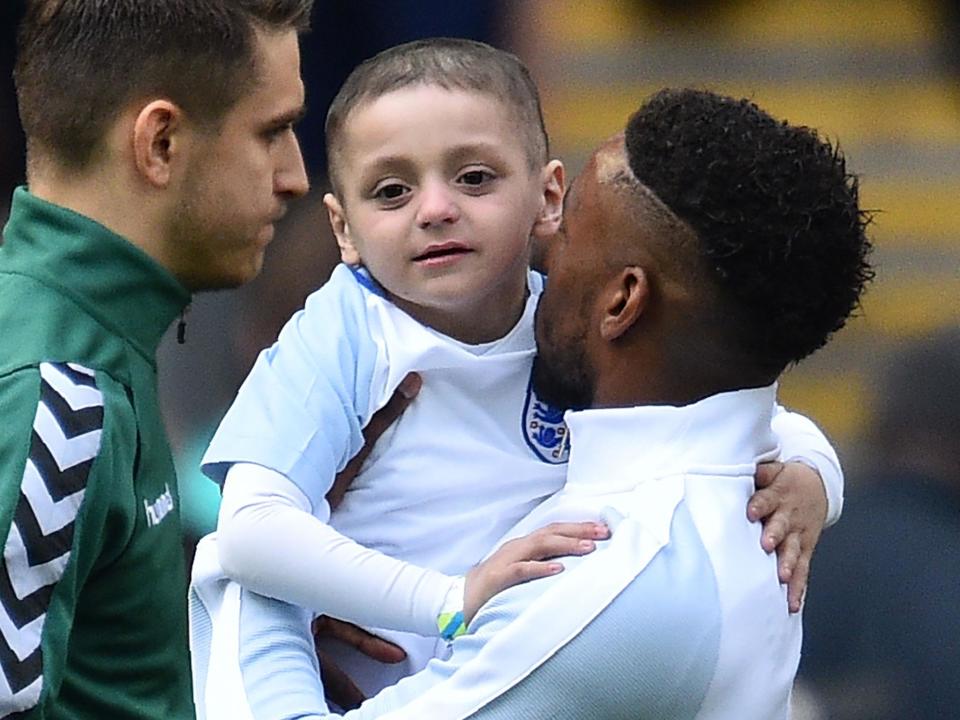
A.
pixel 475 177
pixel 390 191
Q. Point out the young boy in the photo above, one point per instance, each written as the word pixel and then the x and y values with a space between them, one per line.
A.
pixel 438 159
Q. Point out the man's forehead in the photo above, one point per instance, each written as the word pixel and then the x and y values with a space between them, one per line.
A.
pixel 606 164
pixel 610 160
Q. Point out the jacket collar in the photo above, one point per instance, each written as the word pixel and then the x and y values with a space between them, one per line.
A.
pixel 723 434
pixel 116 282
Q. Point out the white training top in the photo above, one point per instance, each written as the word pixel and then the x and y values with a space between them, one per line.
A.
pixel 679 615
pixel 474 453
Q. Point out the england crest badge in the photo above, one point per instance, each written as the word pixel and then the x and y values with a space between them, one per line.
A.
pixel 544 429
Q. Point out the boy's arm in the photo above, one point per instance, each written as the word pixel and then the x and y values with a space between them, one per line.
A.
pixel 270 543
pixel 802 441
pixel 795 500
pixel 284 550
pixel 300 414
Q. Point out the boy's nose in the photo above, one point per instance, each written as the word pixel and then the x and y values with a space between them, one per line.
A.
pixel 438 205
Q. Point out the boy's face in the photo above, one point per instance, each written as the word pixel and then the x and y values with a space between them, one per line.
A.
pixel 438 201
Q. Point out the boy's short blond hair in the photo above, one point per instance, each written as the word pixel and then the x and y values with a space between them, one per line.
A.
pixel 450 63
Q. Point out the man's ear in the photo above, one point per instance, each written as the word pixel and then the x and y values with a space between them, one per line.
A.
pixel 625 300
pixel 338 222
pixel 551 207
pixel 157 141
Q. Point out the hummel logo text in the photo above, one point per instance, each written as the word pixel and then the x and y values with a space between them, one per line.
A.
pixel 159 508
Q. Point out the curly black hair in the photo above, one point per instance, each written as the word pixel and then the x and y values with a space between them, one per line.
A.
pixel 775 211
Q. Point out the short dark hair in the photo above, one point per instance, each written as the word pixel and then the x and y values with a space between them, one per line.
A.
pixel 774 210
pixel 80 61
pixel 451 63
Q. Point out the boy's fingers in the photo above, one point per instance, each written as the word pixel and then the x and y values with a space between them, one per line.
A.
pixel 789 554
pixel 761 504
pixel 798 583
pixel 585 530
pixel 556 540
pixel 774 532
pixel 767 473
pixel 551 546
pixel 521 572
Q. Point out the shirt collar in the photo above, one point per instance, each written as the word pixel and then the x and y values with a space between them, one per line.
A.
pixel 112 279
pixel 724 433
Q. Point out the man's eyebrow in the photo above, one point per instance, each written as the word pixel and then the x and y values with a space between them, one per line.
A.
pixel 291 117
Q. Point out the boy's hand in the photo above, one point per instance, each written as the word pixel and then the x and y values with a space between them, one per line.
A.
pixel 337 685
pixel 792 503
pixel 524 558
pixel 381 420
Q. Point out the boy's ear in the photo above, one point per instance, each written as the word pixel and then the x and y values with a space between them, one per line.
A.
pixel 338 221
pixel 624 302
pixel 158 138
pixel 551 209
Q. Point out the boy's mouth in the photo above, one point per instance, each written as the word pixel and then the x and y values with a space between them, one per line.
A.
pixel 439 251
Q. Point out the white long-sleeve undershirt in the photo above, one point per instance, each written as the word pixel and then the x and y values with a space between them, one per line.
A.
pixel 269 541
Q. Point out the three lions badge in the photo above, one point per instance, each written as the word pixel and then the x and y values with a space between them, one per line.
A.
pixel 544 429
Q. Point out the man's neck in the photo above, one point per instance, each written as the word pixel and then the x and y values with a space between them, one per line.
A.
pixel 103 197
pixel 646 375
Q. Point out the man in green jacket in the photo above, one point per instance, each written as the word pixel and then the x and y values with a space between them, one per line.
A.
pixel 160 155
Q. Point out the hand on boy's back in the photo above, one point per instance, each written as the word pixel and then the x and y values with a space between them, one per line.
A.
pixel 339 687
pixel 792 503
pixel 382 419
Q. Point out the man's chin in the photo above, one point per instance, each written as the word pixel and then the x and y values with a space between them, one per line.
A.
pixel 227 280
pixel 557 390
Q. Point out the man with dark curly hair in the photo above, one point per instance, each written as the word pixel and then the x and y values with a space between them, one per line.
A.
pixel 701 252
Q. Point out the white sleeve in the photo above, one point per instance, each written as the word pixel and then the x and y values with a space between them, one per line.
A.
pixel 302 408
pixel 802 441
pixel 269 542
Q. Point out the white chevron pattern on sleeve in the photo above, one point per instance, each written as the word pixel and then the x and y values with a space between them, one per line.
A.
pixel 65 441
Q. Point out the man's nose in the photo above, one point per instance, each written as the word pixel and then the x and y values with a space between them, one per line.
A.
pixel 290 177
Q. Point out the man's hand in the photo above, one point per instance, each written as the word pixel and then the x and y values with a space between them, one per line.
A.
pixel 525 558
pixel 337 685
pixel 791 502
pixel 382 419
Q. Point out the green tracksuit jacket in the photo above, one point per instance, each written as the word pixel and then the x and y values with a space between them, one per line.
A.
pixel 92 584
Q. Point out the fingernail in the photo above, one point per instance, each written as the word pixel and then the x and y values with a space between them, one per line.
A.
pixel 409 386
pixel 587 545
pixel 555 568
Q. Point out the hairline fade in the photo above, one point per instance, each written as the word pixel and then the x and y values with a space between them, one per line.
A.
pixel 774 210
